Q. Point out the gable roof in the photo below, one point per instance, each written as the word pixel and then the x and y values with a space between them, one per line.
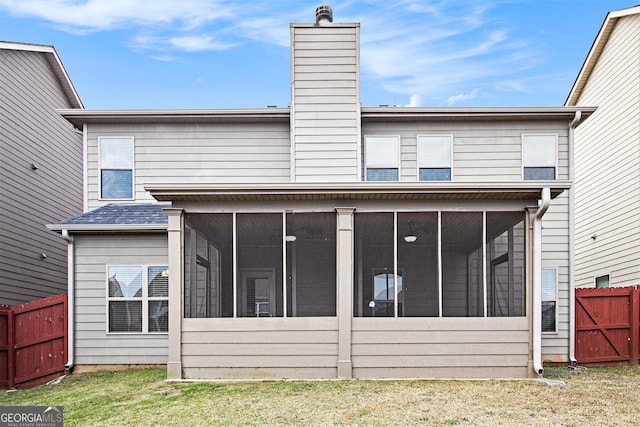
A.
pixel 56 65
pixel 118 217
pixel 596 50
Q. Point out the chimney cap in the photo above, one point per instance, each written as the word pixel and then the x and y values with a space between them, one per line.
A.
pixel 324 14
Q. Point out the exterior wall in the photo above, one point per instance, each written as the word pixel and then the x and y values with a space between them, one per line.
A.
pixel 440 347
pixel 260 348
pixel 194 153
pixel 325 102
pixel 482 150
pixel 93 345
pixel 555 254
pixel 33 133
pixel 608 164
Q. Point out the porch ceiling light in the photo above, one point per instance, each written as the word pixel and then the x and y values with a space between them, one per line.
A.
pixel 410 238
pixel 290 238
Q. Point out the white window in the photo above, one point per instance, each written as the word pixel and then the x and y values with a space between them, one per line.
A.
pixel 539 157
pixel 603 281
pixel 382 158
pixel 435 157
pixel 116 167
pixel 549 300
pixel 137 298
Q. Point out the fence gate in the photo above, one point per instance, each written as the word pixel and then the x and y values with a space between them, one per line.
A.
pixel 33 342
pixel 607 325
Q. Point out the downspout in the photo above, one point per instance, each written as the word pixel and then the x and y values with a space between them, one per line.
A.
pixel 543 205
pixel 572 240
pixel 70 299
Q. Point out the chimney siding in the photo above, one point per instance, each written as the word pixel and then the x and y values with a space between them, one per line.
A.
pixel 325 102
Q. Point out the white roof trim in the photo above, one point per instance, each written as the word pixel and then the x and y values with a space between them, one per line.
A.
pixel 107 227
pixel 593 56
pixel 56 64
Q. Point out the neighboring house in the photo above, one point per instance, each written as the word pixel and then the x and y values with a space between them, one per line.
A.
pixel 607 156
pixel 324 240
pixel 40 171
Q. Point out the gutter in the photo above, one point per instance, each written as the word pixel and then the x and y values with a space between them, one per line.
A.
pixel 543 206
pixel 572 240
pixel 70 299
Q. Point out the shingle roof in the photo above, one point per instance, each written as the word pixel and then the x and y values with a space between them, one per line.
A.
pixel 115 214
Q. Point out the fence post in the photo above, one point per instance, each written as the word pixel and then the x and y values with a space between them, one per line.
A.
pixel 634 333
pixel 11 351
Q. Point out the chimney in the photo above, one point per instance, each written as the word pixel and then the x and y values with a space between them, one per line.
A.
pixel 325 100
pixel 324 14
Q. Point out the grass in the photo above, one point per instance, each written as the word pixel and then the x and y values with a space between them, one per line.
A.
pixel 597 396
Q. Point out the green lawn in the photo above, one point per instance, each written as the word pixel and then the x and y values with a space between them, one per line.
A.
pixel 602 396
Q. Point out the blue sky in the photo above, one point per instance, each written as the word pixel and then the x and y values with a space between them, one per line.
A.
pixel 128 54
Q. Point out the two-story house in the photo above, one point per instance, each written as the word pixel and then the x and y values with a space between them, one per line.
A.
pixel 40 166
pixel 324 240
pixel 608 156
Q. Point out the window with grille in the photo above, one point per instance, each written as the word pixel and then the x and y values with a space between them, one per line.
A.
pixel 138 298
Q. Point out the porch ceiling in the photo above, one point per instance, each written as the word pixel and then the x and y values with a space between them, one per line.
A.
pixel 529 190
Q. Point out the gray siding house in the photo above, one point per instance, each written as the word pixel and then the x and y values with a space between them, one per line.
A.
pixel 607 156
pixel 324 240
pixel 40 165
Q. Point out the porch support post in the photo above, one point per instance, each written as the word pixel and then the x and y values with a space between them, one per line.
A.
pixel 174 246
pixel 344 289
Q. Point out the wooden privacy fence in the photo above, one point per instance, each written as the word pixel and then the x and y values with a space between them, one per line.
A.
pixel 33 342
pixel 608 325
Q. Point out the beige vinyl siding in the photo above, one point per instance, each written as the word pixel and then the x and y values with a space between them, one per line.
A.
pixel 32 132
pixel 195 153
pixel 325 102
pixel 482 150
pixel 608 164
pixel 555 254
pixel 94 346
pixel 440 347
pixel 260 348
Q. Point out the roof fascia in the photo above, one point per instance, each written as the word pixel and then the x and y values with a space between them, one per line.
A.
pixel 274 191
pixel 85 228
pixel 79 117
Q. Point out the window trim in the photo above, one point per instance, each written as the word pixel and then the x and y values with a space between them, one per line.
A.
pixel 145 299
pixel 522 162
pixel 390 166
pixel 132 169
pixel 418 151
pixel 557 275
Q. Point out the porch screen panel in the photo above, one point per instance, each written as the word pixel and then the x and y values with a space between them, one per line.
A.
pixel 418 262
pixel 374 253
pixel 462 284
pixel 208 265
pixel 260 239
pixel 505 264
pixel 311 264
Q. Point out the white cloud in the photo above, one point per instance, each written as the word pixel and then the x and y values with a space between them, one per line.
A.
pixel 98 15
pixel 440 48
pixel 463 97
pixel 414 101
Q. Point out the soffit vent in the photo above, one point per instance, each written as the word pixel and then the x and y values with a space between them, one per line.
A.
pixel 324 14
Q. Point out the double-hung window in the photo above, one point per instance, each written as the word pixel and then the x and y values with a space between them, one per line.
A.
pixel 382 158
pixel 137 298
pixel 116 167
pixel 549 299
pixel 435 157
pixel 539 157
